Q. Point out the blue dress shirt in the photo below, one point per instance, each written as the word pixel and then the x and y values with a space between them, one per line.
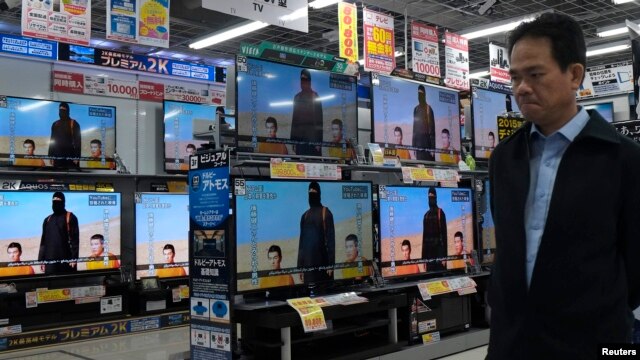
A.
pixel 545 153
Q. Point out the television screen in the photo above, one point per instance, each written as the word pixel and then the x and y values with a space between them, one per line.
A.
pixel 162 235
pixel 58 233
pixel 301 232
pixel 605 109
pixel 43 133
pixel 186 127
pixel 488 229
pixel 424 229
pixel 486 105
pixel 285 109
pixel 421 121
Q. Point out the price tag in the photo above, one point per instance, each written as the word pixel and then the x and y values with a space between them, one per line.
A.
pixel 310 312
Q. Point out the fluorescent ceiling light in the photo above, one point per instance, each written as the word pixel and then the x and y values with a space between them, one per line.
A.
pixel 497 27
pixel 479 74
pixel 617 29
pixel 319 4
pixel 621 1
pixel 231 33
pixel 608 48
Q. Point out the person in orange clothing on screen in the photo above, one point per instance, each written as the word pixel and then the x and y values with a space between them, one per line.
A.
pixel 98 253
pixel 191 150
pixel 353 256
pixel 274 254
pixel 268 147
pixel 338 141
pixel 406 255
pixel 169 269
pixel 492 144
pixel 448 154
pixel 14 250
pixel 401 153
pixel 29 147
pixel 458 245
pixel 96 155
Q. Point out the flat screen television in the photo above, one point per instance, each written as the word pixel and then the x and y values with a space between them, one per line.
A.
pixel 605 109
pixel 486 105
pixel 32 134
pixel 421 121
pixel 290 110
pixel 35 242
pixel 487 227
pixel 418 239
pixel 300 232
pixel 162 235
pixel 186 127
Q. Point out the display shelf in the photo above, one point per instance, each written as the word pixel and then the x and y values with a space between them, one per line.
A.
pixel 448 345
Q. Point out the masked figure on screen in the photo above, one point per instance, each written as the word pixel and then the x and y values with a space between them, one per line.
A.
pixel 434 233
pixel 29 147
pixel 317 239
pixel 60 239
pixel 306 121
pixel 99 254
pixel 424 127
pixel 14 252
pixel 65 142
pixel 274 255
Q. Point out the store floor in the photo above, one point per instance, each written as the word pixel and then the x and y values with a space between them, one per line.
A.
pixel 169 344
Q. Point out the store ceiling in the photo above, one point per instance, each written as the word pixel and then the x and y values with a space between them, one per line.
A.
pixel 189 21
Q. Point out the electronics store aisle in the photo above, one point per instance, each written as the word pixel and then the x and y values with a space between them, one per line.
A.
pixel 168 344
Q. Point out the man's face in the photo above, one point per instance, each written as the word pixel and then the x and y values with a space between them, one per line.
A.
pixel 96 151
pixel 191 151
pixel 96 247
pixel 544 93
pixel 492 141
pixel 305 84
pixel 406 252
pixel 274 260
pixel 336 132
pixel 398 136
pixel 351 250
pixel 445 140
pixel 63 113
pixel 457 245
pixel 271 129
pixel 168 256
pixel 14 254
pixel 28 149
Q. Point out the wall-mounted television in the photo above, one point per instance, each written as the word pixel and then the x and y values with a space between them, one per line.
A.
pixel 300 232
pixel 83 234
pixel 424 230
pixel 186 127
pixel 53 134
pixel 421 121
pixel 290 110
pixel 486 105
pixel 605 109
pixel 162 235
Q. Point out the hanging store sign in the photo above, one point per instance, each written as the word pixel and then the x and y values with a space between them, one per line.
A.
pixel 348 31
pixel 379 42
pixel 499 64
pixel 605 80
pixel 71 24
pixel 291 14
pixel 457 61
pixel 20 45
pixel 426 57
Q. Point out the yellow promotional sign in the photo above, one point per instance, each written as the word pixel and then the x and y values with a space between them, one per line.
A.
pixel 438 287
pixel 184 292
pixel 348 28
pixel 310 313
pixel 53 295
pixel 288 170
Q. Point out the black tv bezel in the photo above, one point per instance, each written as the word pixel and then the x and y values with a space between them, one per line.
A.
pixel 428 274
pixel 300 288
pixel 237 132
pixel 51 168
pixel 393 146
pixel 135 237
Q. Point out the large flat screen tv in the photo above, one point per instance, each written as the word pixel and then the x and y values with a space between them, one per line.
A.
pixel 43 133
pixel 424 230
pixel 289 110
pixel 186 127
pixel 486 105
pixel 82 235
pixel 301 232
pixel 421 121
pixel 605 109
pixel 162 235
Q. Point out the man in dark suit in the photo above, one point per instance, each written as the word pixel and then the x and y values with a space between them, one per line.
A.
pixel 566 204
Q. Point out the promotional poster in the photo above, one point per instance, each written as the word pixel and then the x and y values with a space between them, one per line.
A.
pixel 488 228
